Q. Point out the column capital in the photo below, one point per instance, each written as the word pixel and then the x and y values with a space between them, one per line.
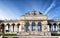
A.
pixel 30 22
pixel 36 22
pixel 57 24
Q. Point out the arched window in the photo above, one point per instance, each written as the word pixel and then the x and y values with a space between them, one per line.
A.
pixel 33 26
pixel 39 26
pixel 27 26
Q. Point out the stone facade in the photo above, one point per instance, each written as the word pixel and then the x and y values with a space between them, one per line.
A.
pixel 31 24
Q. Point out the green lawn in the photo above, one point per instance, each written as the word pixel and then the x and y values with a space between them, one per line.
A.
pixel 8 34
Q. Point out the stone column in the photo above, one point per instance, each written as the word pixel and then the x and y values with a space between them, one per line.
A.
pixel 30 26
pixel 56 27
pixel 5 28
pixel 36 26
pixel 48 28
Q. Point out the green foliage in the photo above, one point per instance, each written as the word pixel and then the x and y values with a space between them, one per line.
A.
pixel 8 34
pixel 0 34
pixel 55 34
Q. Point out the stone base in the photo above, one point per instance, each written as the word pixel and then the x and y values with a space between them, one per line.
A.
pixel 35 34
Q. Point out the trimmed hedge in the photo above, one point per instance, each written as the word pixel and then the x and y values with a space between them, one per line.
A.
pixel 55 34
pixel 15 34
pixel 8 34
pixel 0 34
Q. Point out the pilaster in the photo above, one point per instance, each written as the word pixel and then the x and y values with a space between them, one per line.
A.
pixel 22 26
pixel 44 26
pixel 30 26
pixel 36 26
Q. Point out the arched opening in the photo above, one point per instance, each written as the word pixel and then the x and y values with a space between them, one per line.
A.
pixel 39 26
pixel 59 26
pixel 54 26
pixel 27 26
pixel 18 27
pixel 49 26
pixel 2 27
pixel 7 27
pixel 33 26
pixel 13 26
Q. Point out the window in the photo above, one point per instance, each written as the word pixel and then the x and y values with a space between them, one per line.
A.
pixel 39 26
pixel 27 26
pixel 33 26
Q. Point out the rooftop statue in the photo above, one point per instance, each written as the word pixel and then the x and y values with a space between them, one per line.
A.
pixel 40 13
pixel 33 12
pixel 27 13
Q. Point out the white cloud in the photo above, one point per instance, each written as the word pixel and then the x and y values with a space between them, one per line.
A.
pixel 50 7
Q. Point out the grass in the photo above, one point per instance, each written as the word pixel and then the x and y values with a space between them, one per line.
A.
pixel 8 34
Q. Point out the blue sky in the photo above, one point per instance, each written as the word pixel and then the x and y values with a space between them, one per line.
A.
pixel 13 9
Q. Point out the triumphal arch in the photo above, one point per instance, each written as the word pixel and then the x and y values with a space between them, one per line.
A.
pixel 29 24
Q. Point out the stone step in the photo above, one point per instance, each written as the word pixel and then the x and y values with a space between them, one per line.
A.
pixel 30 37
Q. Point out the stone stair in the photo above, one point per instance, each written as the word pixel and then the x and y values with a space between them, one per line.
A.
pixel 31 37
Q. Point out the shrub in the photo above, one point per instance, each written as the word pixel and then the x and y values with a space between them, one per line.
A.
pixel 8 34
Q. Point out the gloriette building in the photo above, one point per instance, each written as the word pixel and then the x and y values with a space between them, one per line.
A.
pixel 31 24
